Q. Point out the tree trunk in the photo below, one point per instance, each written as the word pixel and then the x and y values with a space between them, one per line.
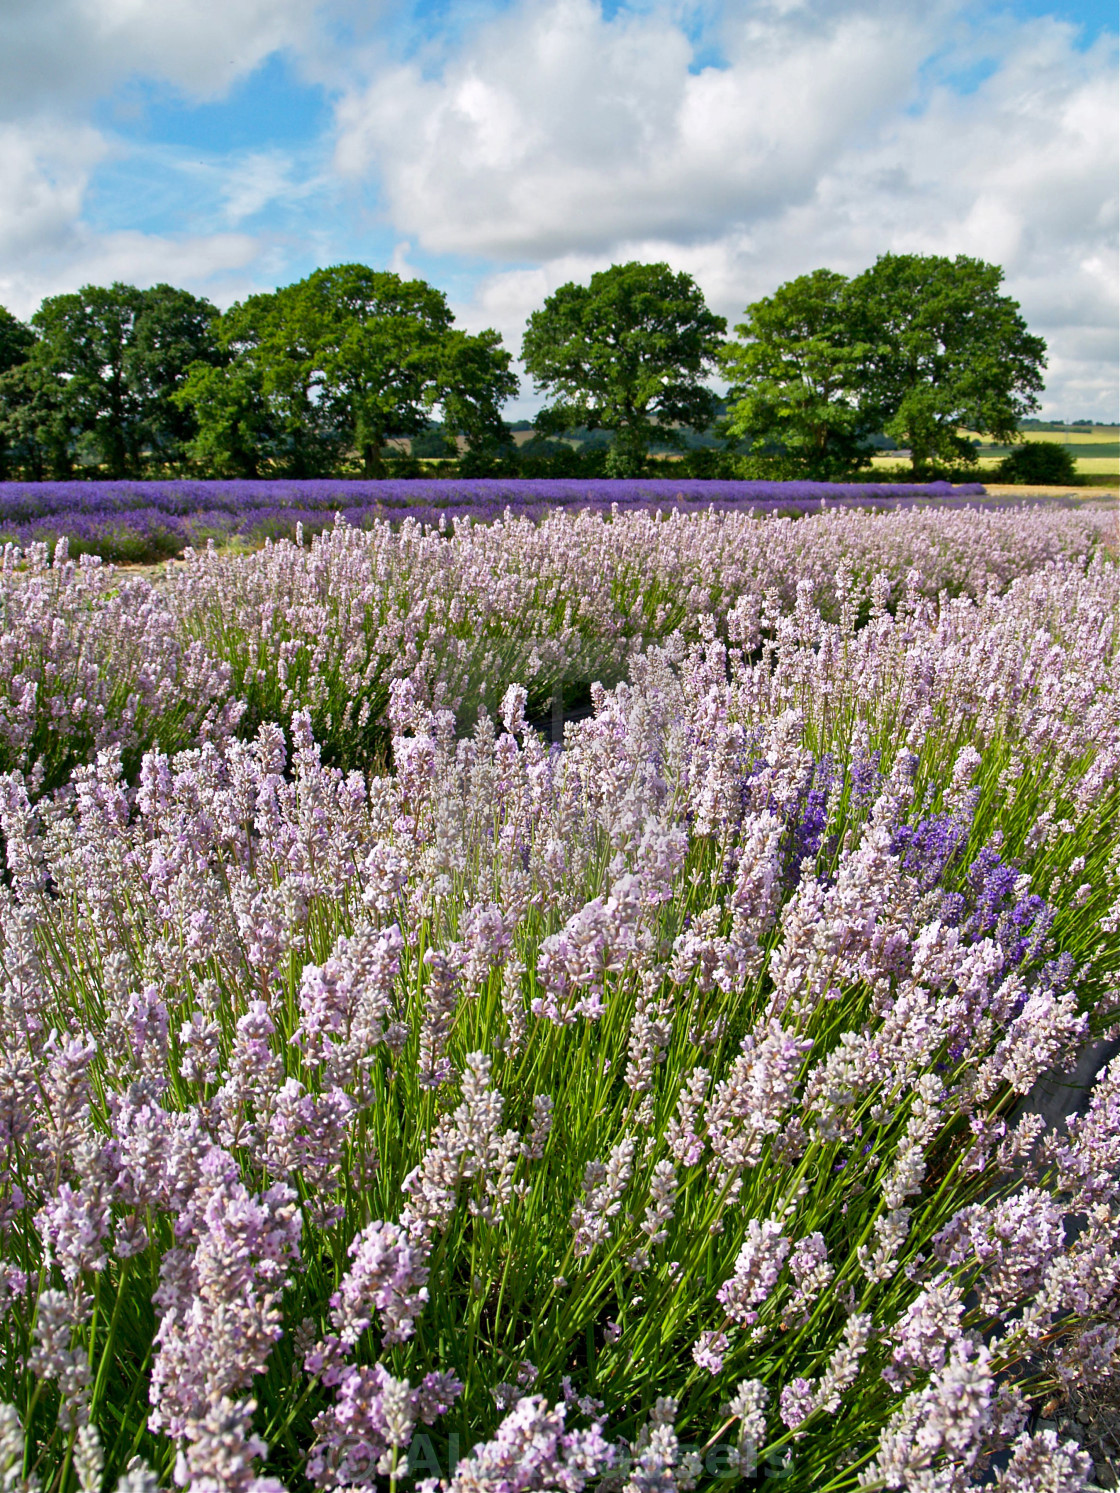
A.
pixel 372 465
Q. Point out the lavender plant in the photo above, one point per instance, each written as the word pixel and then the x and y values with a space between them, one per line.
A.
pixel 556 605
pixel 644 1113
pixel 92 657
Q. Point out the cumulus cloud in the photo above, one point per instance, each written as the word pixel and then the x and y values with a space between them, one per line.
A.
pixel 566 140
pixel 224 265
pixel 556 130
pixel 61 54
pixel 539 140
pixel 44 171
pixel 59 59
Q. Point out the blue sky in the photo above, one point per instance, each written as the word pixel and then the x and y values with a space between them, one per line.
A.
pixel 501 149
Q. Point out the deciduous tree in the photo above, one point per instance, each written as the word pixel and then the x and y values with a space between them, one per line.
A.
pixel 16 340
pixel 120 354
pixel 35 431
pixel 627 353
pixel 796 378
pixel 944 350
pixel 348 359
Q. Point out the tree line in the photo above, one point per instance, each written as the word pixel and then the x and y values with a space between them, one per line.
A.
pixel 319 377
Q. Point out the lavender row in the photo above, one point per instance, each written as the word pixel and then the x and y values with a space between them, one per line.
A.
pixel 22 501
pixel 643 1114
pixel 150 521
pixel 91 658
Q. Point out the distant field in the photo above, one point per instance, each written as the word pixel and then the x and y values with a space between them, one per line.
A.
pixel 1098 435
pixel 1096 453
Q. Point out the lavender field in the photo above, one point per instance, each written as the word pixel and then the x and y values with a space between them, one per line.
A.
pixel 147 521
pixel 391 1096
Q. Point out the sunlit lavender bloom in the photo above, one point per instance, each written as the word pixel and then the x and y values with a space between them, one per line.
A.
pixel 748 1404
pixel 708 1351
pixel 1089 1154
pixel 441 995
pixel 220 1304
pixel 809 1266
pixel 658 1462
pixel 757 1268
pixel 925 1333
pixel 389 1272
pixel 220 1451
pixel 795 1403
pixel 1040 1465
pixel 53 1357
pixel 531 1450
pixel 370 1425
pixel 76 1225
pixel 603 1186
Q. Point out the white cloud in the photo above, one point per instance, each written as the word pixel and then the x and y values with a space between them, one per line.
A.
pixel 564 141
pixel 557 130
pixel 58 59
pixel 44 170
pixel 537 145
pixel 62 54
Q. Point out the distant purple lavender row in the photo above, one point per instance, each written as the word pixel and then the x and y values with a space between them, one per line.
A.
pixel 148 520
pixel 24 501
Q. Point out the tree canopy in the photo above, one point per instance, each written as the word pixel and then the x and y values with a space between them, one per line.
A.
pixel 118 355
pixel 329 374
pixel 16 340
pixel 796 377
pixel 944 349
pixel 918 346
pixel 347 359
pixel 627 353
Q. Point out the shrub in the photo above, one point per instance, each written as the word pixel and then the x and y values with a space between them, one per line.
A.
pixel 1038 461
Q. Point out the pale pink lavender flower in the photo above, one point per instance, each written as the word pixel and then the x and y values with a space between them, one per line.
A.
pixel 757 1267
pixel 465 1145
pixel 658 1462
pixel 369 1427
pixel 811 1271
pixel 681 1133
pixel 708 1351
pixel 220 1301
pixel 795 1403
pixel 1039 1464
pixel 75 1224
pixel 601 1202
pixel 532 1450
pixel 52 1356
pixel 925 1332
pixel 220 1449
pixel 389 1272
pixel 951 1416
pixel 750 1103
pixel 748 1405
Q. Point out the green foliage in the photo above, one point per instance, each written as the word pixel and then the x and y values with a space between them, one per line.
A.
pixel 16 340
pixel 943 349
pixel 235 428
pixel 1038 461
pixel 473 382
pixel 345 361
pixel 35 432
pixel 916 347
pixel 796 379
pixel 122 354
pixel 433 442
pixel 174 332
pixel 539 457
pixel 626 353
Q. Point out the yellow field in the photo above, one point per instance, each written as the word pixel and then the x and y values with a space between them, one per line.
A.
pixel 1087 466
